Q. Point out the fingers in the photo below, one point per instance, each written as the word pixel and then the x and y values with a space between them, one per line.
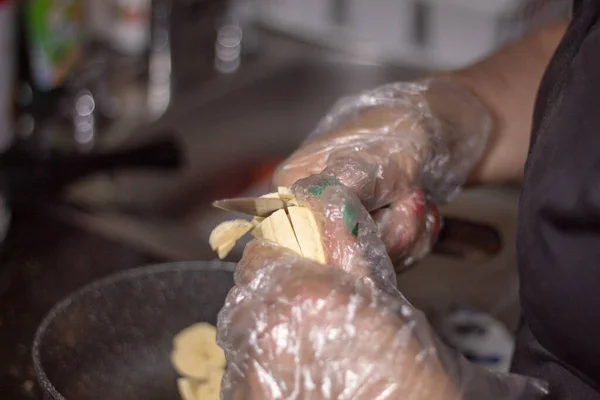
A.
pixel 305 162
pixel 348 233
pixel 361 164
pixel 408 227
pixel 304 333
pixel 376 152
pixel 305 330
pixel 259 254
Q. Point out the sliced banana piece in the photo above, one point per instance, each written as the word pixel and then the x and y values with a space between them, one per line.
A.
pixel 226 234
pixel 187 388
pixel 307 233
pixel 270 196
pixel 201 362
pixel 294 227
pixel 277 228
pixel 285 193
pixel 228 231
pixel 189 364
pixel 225 249
pixel 196 351
pixel 211 388
pixel 201 332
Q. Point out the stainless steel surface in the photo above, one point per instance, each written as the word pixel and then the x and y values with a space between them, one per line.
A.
pixel 258 207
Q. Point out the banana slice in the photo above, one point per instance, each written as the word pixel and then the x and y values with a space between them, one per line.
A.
pixel 196 351
pixel 278 229
pixel 187 389
pixel 211 389
pixel 225 249
pixel 294 227
pixel 228 231
pixel 307 233
pixel 199 333
pixel 189 364
pixel 226 234
pixel 285 193
pixel 197 357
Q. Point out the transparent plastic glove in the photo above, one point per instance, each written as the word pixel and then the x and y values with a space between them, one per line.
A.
pixel 295 329
pixel 400 148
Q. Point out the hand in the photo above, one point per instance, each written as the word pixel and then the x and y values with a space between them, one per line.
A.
pixel 299 330
pixel 295 329
pixel 399 148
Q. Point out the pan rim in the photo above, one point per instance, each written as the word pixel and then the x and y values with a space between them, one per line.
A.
pixel 64 303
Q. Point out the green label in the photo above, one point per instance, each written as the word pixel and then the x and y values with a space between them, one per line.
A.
pixel 53 27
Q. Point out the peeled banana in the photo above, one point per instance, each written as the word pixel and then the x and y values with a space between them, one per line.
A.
pixel 293 227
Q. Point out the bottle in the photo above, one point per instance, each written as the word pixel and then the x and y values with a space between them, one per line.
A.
pixel 52 29
pixel 50 48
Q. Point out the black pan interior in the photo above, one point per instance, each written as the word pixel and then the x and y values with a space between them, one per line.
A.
pixel 112 339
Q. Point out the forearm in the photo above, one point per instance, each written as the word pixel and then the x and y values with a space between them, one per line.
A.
pixel 506 83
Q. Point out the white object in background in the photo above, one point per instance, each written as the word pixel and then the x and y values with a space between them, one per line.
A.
pixel 462 31
pixel 7 71
pixel 482 339
pixel 304 15
pixel 459 35
pixel 98 19
pixel 130 20
pixel 387 23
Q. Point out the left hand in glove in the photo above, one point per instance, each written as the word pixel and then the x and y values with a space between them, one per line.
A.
pixel 295 329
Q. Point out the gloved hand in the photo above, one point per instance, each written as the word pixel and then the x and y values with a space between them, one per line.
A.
pixel 401 148
pixel 295 329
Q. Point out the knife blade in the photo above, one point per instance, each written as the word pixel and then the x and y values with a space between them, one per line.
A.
pixel 255 206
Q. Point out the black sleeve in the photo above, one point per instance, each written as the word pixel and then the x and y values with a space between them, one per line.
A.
pixel 559 224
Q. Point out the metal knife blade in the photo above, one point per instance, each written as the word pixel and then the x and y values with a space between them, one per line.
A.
pixel 255 206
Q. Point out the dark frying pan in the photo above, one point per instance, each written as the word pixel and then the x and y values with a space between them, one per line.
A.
pixel 112 339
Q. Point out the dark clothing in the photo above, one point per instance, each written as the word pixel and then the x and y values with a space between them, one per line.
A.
pixel 559 228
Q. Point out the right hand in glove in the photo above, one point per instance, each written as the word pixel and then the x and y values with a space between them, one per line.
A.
pixel 400 148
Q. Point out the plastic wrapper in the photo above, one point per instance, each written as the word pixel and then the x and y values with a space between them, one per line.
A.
pixel 401 148
pixel 292 328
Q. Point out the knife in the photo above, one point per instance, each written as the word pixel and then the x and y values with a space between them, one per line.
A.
pixel 255 206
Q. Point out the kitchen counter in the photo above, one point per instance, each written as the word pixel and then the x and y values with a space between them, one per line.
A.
pixel 46 261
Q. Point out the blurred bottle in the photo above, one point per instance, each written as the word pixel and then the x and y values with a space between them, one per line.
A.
pixel 50 49
pixel 7 71
pixel 52 41
pixel 130 21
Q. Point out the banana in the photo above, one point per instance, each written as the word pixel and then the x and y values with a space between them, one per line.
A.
pixel 294 227
pixel 196 351
pixel 197 357
pixel 211 389
pixel 187 389
pixel 223 237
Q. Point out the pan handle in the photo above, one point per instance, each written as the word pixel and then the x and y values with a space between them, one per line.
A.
pixel 24 176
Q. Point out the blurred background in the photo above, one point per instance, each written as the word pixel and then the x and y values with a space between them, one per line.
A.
pixel 121 121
